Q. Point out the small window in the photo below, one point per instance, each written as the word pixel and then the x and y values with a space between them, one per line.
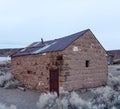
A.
pixel 59 60
pixel 30 72
pixel 60 57
pixel 87 63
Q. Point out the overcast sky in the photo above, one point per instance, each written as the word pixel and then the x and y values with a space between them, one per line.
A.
pixel 25 21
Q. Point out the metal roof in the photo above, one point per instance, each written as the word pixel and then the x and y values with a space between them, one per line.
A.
pixel 50 46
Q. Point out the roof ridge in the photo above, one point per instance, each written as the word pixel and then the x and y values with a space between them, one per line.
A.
pixel 64 36
pixel 58 44
pixel 73 34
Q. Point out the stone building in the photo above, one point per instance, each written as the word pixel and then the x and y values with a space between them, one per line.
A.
pixel 113 57
pixel 69 63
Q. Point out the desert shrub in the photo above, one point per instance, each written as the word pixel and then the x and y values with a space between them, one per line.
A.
pixel 77 103
pixel 113 82
pixel 104 97
pixel 7 81
pixel 71 101
pixel 12 84
pixel 2 81
pixel 5 77
pixel 117 102
pixel 8 76
pixel 47 101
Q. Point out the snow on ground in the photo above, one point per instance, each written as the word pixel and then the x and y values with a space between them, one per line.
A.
pixel 4 59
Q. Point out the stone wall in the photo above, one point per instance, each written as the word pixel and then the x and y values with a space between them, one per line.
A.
pixel 77 75
pixel 33 70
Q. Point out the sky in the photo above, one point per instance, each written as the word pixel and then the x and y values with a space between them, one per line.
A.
pixel 25 21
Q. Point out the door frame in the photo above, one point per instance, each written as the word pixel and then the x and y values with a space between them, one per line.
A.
pixel 54 80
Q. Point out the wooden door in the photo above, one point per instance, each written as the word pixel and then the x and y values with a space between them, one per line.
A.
pixel 54 80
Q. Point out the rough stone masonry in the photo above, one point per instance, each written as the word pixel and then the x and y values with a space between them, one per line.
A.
pixel 82 64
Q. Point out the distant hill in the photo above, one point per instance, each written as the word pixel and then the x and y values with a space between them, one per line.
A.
pixel 8 52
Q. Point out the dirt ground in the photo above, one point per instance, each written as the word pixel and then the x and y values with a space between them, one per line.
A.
pixel 26 99
pixel 22 99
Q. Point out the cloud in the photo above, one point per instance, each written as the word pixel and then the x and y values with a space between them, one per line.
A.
pixel 29 20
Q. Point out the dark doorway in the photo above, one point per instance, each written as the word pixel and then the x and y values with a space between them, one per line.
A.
pixel 87 63
pixel 54 80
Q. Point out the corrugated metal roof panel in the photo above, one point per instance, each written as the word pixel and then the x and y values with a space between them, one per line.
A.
pixel 43 48
pixel 50 46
